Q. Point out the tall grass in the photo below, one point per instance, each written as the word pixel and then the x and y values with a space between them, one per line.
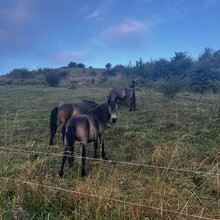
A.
pixel 179 133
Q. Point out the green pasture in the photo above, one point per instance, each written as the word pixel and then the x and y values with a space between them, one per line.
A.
pixel 177 142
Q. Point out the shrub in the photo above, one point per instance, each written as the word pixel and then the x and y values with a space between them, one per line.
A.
pixel 52 79
pixel 169 88
pixel 21 73
pixel 73 84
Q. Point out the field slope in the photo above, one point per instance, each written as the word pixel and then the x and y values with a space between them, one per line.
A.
pixel 163 158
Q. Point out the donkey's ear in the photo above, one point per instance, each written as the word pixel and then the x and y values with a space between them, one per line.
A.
pixel 61 103
pixel 108 98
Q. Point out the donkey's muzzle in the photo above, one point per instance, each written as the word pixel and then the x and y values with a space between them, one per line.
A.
pixel 114 120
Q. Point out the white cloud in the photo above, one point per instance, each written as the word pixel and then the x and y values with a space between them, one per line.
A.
pixel 130 26
pixel 64 56
pixel 101 9
pixel 94 14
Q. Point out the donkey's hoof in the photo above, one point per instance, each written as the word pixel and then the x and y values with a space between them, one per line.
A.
pixel 83 173
pixel 60 174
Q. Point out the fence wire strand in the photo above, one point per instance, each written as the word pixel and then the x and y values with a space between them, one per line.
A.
pixel 113 161
pixel 105 198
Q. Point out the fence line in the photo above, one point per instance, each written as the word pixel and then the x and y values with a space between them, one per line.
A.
pixel 105 198
pixel 22 119
pixel 6 111
pixel 113 161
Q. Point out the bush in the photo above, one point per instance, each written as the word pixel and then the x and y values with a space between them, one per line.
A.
pixel 53 78
pixel 169 88
pixel 21 73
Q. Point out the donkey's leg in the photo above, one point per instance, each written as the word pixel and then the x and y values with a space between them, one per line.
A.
pixel 130 102
pixel 103 150
pixel 63 162
pixel 71 156
pixel 134 104
pixel 133 99
pixel 69 141
pixel 63 132
pixel 95 148
pixel 83 171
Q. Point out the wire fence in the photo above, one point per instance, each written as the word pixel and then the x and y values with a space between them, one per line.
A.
pixel 162 210
pixel 114 161
pixel 172 169
pixel 124 202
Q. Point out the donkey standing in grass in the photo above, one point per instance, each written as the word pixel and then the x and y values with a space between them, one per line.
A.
pixel 124 94
pixel 61 114
pixel 85 129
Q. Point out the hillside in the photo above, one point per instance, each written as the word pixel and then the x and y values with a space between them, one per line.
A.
pixel 162 159
pixel 38 77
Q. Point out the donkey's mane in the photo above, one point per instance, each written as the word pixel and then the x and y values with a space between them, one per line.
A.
pixel 98 110
pixel 90 102
pixel 100 113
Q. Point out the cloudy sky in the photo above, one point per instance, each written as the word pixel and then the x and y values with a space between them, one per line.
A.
pixel 51 33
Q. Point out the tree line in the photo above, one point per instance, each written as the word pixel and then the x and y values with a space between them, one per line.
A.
pixel 180 72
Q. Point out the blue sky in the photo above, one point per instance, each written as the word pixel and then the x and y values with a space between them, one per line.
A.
pixel 51 33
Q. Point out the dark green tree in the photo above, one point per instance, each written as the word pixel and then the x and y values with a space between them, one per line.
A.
pixel 139 67
pixel 80 65
pixel 161 69
pixel 72 65
pixel 180 64
pixel 108 65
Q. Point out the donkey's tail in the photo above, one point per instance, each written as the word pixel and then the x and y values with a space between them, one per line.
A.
pixel 69 136
pixel 53 123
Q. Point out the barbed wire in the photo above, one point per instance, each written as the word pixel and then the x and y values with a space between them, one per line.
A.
pixel 106 198
pixel 113 161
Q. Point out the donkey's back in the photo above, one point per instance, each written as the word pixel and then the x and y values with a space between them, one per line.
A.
pixel 120 93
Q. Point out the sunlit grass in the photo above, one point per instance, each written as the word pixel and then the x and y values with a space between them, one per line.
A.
pixel 179 133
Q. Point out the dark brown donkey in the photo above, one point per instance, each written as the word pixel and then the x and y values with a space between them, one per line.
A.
pixel 61 114
pixel 85 129
pixel 124 94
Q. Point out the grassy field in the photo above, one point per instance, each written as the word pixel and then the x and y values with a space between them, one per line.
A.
pixel 176 141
